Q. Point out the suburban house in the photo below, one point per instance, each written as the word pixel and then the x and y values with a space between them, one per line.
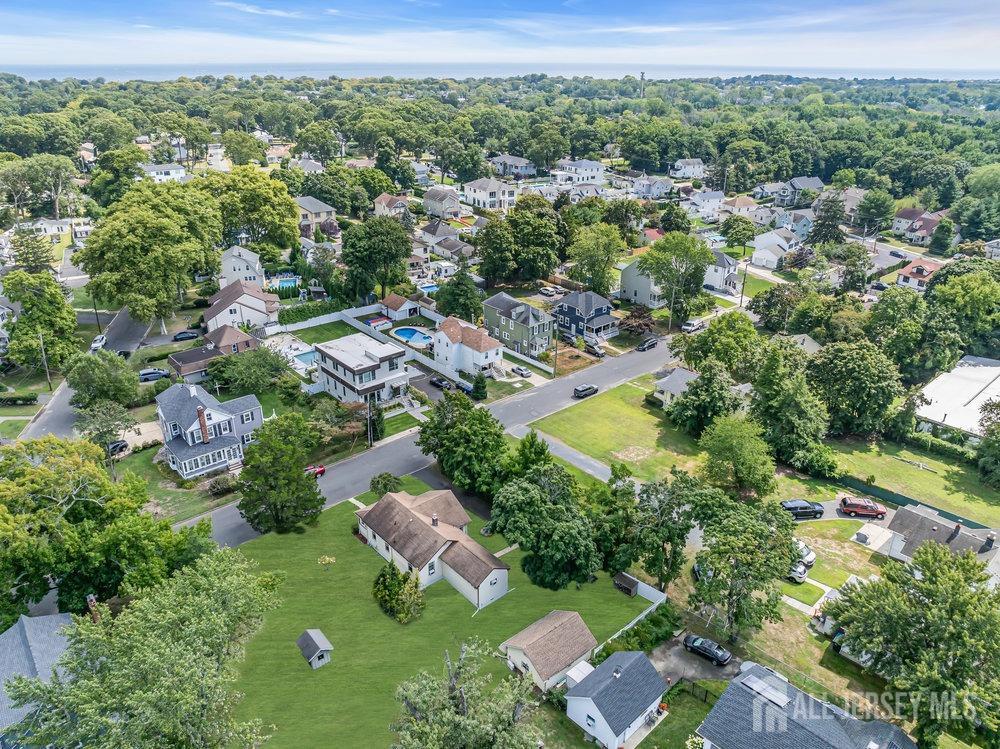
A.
pixel 315 214
pixel 722 275
pixel 506 165
pixel 191 365
pixel 799 222
pixel 357 368
pixel 162 172
pixel 955 398
pixel 462 346
pixel 241 303
pixel 548 648
pixel 442 269
pixel 615 699
pixel 587 315
pixel 262 135
pixel 688 169
pixel 422 172
pixel 671 387
pixel 31 648
pixel 307 165
pixel 429 534
pixel 420 255
pixel 240 264
pixel 766 190
pixel 584 190
pixel 391 205
pixel 454 248
pixel 705 205
pixel 917 274
pixel 740 205
pixel 520 326
pixel 770 248
pixel 760 709
pixel 652 188
pixel 201 434
pixel 436 230
pixel 53 229
pixel 277 152
pixel 359 163
pixel 442 202
pixel 764 215
pixel 637 287
pixel 397 307
pixel 851 197
pixel 790 194
pixel 651 235
pixel 578 171
pixel 491 194
pixel 904 218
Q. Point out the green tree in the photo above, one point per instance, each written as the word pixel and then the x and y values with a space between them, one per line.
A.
pixel 468 443
pixel 856 265
pixel 255 206
pixel 932 628
pixel 53 176
pixel 319 140
pixel 46 320
pixel 479 389
pixel 459 296
pixel 252 371
pixel 32 252
pixel 177 643
pixel 278 495
pixel 974 301
pixel 398 594
pixel 102 376
pixel 677 263
pixel 738 231
pixel 594 253
pixel 942 237
pixel 663 521
pixel 674 218
pixel 748 549
pixel 857 382
pixel 843 178
pixel 711 395
pixel 535 227
pixel 377 418
pixel 242 148
pixel 116 171
pixel 875 211
pixel 624 214
pixel 611 509
pixel 103 422
pixel 730 339
pixel 498 250
pixel 738 460
pixel 774 305
pixel 829 217
pixel 384 483
pixel 461 706
pixel 531 451
pixel 896 324
pixel 377 249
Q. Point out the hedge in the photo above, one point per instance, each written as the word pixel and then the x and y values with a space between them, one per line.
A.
pixel 19 399
pixel 307 311
pixel 938 446
pixel 657 627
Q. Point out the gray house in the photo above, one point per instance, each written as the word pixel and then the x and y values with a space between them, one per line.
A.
pixel 315 648
pixel 518 325
pixel 639 288
pixel 790 193
pixel 512 166
pixel 201 434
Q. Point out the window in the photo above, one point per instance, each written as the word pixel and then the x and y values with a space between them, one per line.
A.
pixel 393 365
pixel 386 544
pixel 319 657
pixel 590 721
pixel 235 347
pixel 247 438
pixel 198 439
pixel 430 567
pixel 494 581
pixel 224 427
pixel 246 417
pixel 232 310
pixel 175 428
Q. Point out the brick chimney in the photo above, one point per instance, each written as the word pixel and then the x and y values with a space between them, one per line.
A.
pixel 202 423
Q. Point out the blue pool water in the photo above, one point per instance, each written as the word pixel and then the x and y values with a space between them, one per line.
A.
pixel 284 283
pixel 429 288
pixel 414 336
pixel 307 358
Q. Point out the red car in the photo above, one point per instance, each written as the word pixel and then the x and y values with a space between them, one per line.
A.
pixel 855 506
pixel 316 471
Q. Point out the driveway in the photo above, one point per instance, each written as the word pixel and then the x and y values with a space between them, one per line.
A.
pixel 671 659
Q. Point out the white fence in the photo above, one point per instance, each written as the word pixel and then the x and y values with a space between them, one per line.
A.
pixel 411 354
pixel 651 594
pixel 527 360
pixel 344 314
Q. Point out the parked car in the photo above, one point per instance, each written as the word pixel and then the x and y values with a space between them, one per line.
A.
pixel 806 555
pixel 521 371
pixel 699 572
pixel 859 506
pixel 124 354
pixel 583 391
pixel 98 343
pixel 647 344
pixel 547 291
pixel 464 386
pixel 317 470
pixel 798 573
pixel 117 448
pixel 691 326
pixel 593 350
pixel 879 286
pixel 185 335
pixel 897 253
pixel 802 508
pixel 709 649
pixel 440 383
pixel 152 374
pixel 569 338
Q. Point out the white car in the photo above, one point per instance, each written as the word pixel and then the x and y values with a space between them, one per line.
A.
pixel 98 343
pixel 691 326
pixel 806 555
pixel 547 291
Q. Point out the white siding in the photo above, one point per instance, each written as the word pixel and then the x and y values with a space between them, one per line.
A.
pixel 461 585
pixel 577 710
pixel 493 587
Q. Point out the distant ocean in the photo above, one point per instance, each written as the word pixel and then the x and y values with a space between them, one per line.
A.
pixel 464 70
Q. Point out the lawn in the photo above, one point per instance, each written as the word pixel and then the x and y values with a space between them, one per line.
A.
pixel 510 360
pixel 400 423
pixel 85 334
pixel 619 426
pixel 325 332
pixel 497 389
pixel 685 714
pixel 837 556
pixel 755 284
pixel 803 592
pixel 350 702
pixel 166 499
pixel 948 485
pixel 149 356
pixel 11 428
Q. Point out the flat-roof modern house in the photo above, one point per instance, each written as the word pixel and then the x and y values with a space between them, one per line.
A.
pixel 955 398
pixel 357 368
pixel 428 534
pixel 547 649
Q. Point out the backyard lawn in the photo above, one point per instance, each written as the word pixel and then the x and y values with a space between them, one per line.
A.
pixel 685 713
pixel 167 500
pixel 949 485
pixel 803 592
pixel 350 702
pixel 325 332
pixel 837 556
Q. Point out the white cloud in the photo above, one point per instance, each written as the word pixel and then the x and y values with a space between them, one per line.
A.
pixel 257 10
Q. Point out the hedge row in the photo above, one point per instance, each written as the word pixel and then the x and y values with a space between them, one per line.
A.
pixel 18 399
pixel 938 446
pixel 307 311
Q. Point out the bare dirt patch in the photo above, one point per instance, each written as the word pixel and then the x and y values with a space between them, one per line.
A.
pixel 633 453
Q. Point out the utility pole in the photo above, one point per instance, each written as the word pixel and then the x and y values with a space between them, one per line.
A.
pixel 97 315
pixel 642 85
pixel 45 362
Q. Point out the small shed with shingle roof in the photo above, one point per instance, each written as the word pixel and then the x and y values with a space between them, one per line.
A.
pixel 315 648
pixel 548 648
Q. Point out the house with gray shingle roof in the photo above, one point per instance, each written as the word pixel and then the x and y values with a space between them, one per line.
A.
pixel 760 709
pixel 616 698
pixel 315 214
pixel 546 649
pixel 202 434
pixel 517 324
pixel 587 315
pixel 29 648
pixel 790 193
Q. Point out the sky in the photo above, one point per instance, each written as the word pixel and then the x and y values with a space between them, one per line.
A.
pixel 746 34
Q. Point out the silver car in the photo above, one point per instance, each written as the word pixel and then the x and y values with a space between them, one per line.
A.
pixel 806 555
pixel 798 573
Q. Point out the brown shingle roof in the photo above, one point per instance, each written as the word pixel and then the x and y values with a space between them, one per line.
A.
pixel 921 269
pixel 394 301
pixel 475 338
pixel 554 642
pixel 225 297
pixel 226 335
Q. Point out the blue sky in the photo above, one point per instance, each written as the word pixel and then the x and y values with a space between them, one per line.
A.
pixel 874 34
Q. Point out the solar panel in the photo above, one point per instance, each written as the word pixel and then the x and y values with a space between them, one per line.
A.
pixel 765 690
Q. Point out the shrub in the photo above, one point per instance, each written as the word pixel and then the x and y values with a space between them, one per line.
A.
pixel 221 485
pixel 938 446
pixel 307 311
pixel 479 391
pixel 418 395
pixel 383 483
pixel 18 399
pixel 819 460
pixel 201 303
pixel 398 595
pixel 289 389
pixel 646 635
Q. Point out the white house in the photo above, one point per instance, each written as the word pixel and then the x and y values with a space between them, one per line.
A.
pixel 391 205
pixel 740 205
pixel 614 700
pixel 242 303
pixel 770 248
pixel 454 248
pixel 688 169
pixel 240 264
pixel 162 172
pixel 8 314
pixel 357 368
pixel 428 534
pixel 992 249
pixel 442 202
pixel 639 288
pixel 652 188
pixel 463 346
pixel 397 307
pixel 918 274
pixel 955 399
pixel 422 172
pixel 442 269
pixel 705 205
pixel 578 171
pixel 491 194
pixel 512 166
pixel 548 648
pixel 436 230
pixel 674 385
pixel 721 275
pixel 904 218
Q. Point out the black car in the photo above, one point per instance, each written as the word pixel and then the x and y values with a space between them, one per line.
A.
pixel 801 508
pixel 124 354
pixel 185 335
pixel 582 391
pixel 440 382
pixel 879 286
pixel 709 649
pixel 897 253
pixel 647 344
pixel 117 447
pixel 464 386
pixel 152 374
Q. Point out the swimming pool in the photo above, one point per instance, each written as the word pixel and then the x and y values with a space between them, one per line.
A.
pixel 308 358
pixel 429 288
pixel 413 336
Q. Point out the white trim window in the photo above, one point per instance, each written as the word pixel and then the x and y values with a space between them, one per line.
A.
pixel 246 417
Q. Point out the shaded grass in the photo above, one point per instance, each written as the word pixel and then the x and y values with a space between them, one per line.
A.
pixel 11 428
pixel 685 713
pixel 755 285
pixel 171 502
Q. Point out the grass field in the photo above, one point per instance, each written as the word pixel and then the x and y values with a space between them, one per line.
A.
pixel 350 702
pixel 804 592
pixel 949 485
pixel 400 423
pixel 755 284
pixel 168 501
pixel 11 428
pixel 837 556
pixel 326 332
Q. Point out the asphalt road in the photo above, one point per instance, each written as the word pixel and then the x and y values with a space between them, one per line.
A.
pixel 124 333
pixel 400 456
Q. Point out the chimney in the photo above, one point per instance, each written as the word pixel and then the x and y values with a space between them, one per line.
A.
pixel 95 613
pixel 617 673
pixel 991 539
pixel 202 423
pixel 434 519
pixel 192 391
